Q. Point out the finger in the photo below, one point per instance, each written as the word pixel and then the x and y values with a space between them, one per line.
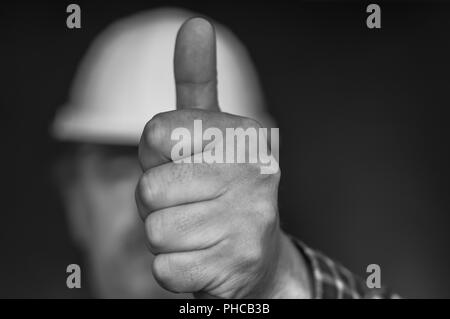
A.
pixel 185 228
pixel 175 184
pixel 184 271
pixel 160 134
pixel 195 65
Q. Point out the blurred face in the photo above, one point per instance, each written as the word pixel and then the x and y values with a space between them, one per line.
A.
pixel 115 242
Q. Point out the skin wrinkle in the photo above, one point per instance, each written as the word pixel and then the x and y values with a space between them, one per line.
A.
pixel 251 240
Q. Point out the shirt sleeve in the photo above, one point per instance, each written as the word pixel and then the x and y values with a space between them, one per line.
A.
pixel 330 280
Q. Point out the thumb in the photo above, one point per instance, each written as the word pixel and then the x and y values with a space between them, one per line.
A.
pixel 195 65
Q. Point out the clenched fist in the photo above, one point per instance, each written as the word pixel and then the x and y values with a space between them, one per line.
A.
pixel 214 227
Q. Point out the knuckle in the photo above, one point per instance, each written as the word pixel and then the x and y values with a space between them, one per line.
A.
pixel 161 271
pixel 155 130
pixel 139 203
pixel 149 190
pixel 172 274
pixel 155 231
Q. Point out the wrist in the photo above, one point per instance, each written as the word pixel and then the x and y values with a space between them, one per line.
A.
pixel 292 277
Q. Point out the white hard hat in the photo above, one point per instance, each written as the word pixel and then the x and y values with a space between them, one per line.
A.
pixel 127 78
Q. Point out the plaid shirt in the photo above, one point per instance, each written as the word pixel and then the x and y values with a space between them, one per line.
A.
pixel 333 281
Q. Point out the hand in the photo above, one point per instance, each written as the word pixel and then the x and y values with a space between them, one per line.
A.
pixel 214 228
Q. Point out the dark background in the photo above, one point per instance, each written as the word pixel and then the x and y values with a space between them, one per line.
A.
pixel 362 116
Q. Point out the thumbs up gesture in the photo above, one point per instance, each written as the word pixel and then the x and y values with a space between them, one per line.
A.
pixel 214 227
